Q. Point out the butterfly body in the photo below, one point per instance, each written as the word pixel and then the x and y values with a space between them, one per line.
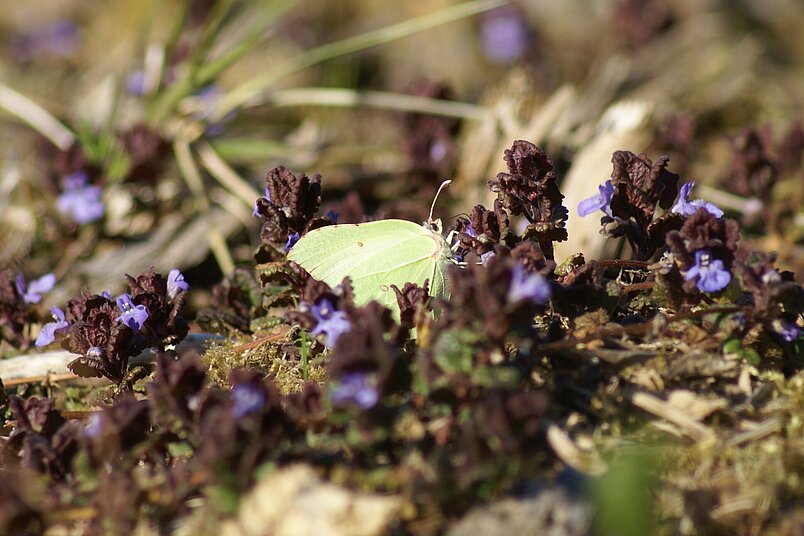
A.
pixel 376 255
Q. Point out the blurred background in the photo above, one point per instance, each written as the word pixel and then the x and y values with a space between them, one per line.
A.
pixel 138 133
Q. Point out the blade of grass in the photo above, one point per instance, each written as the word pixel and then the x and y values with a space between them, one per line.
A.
pixel 262 20
pixel 349 98
pixel 250 91
pixel 226 176
pixel 201 71
pixel 188 169
pixel 36 117
pixel 249 149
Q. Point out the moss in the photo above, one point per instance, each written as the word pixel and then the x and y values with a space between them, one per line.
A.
pixel 270 358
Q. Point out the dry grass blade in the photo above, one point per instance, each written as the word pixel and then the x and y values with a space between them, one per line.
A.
pixel 656 406
pixel 217 242
pixel 566 449
pixel 37 117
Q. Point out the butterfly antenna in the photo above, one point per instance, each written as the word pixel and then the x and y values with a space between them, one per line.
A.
pixel 432 207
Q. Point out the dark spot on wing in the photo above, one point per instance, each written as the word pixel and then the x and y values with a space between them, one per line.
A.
pixel 360 244
pixel 384 288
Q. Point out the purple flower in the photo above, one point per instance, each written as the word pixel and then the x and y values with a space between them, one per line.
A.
pixel 355 388
pixel 32 293
pixel 49 330
pixel 504 35
pixel 94 426
pixel 80 200
pixel 256 212
pixel 135 83
pixel 176 283
pixel 58 39
pixel 712 276
pixel 601 201
pixel 527 286
pixel 685 207
pixel 134 316
pixel 331 322
pixel 292 239
pixel 486 257
pixel 247 398
pixel 787 330
pixel 332 215
pixel 106 295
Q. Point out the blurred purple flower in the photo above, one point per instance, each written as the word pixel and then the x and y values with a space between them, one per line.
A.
pixel 527 286
pixel 176 283
pixel 332 215
pixel 486 257
pixel 32 293
pixel 711 274
pixel 59 39
pixel 135 83
pixel 601 201
pixel 247 398
pixel 355 388
pixel 331 322
pixel 49 330
pixel 685 207
pixel 106 295
pixel 292 239
pixel 80 200
pixel 504 35
pixel 94 426
pixel 134 316
pixel 787 330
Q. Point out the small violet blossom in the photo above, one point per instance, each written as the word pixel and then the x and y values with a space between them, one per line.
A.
pixel 787 330
pixel 486 257
pixel 94 426
pixel 80 200
pixel 32 293
pixel 61 39
pixel 176 283
pixel 685 207
pixel 525 286
pixel 601 201
pixel 355 388
pixel 49 330
pixel 134 316
pixel 246 399
pixel 504 35
pixel 256 212
pixel 711 274
pixel 331 322
pixel 292 239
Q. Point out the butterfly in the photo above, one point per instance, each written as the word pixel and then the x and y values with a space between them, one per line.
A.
pixel 377 255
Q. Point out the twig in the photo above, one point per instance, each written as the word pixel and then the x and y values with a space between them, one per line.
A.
pixel 645 285
pixel 262 340
pixel 765 428
pixel 45 379
pixel 621 263
pixel 664 410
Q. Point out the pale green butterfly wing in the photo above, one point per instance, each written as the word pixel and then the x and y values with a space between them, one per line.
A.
pixel 376 255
